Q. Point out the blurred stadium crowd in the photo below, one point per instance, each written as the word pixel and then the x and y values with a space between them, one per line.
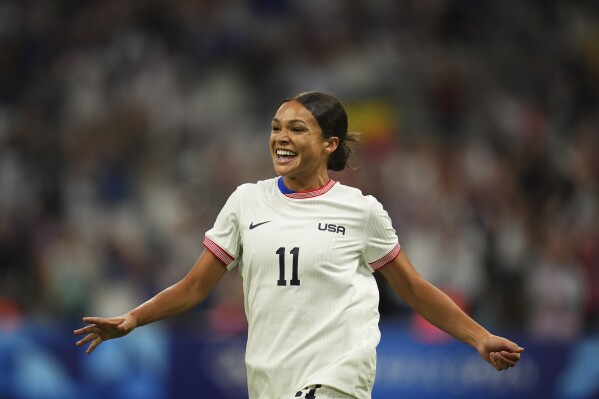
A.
pixel 125 125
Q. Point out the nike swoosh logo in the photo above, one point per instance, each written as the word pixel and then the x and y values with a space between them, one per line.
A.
pixel 253 226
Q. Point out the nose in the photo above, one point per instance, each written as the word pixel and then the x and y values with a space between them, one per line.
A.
pixel 282 136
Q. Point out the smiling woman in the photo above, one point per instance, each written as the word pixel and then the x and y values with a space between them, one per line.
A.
pixel 309 136
pixel 307 247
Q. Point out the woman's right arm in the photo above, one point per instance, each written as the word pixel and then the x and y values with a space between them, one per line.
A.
pixel 182 296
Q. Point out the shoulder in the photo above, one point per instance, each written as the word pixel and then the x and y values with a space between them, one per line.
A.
pixel 353 200
pixel 355 195
pixel 353 192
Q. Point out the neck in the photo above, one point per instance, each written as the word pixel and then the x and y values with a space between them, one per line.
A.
pixel 313 183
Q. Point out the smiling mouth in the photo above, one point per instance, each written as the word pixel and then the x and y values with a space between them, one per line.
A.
pixel 284 155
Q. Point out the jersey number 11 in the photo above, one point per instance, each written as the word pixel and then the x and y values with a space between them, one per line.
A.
pixel 294 279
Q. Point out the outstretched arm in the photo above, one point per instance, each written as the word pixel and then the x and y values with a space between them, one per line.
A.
pixel 435 306
pixel 184 295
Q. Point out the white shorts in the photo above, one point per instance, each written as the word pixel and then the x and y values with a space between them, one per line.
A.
pixel 320 392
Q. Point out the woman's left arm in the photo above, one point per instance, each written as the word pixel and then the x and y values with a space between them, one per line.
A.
pixel 436 307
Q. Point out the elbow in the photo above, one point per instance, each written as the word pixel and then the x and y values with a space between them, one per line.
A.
pixel 194 294
pixel 412 291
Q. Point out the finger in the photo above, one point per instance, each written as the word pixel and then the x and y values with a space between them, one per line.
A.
pixel 500 367
pixel 499 363
pixel 93 345
pixel 499 343
pixel 493 359
pixel 96 320
pixel 517 349
pixel 507 359
pixel 86 330
pixel 87 338
pixel 507 363
pixel 510 356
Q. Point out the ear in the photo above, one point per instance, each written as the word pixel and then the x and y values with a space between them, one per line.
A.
pixel 331 144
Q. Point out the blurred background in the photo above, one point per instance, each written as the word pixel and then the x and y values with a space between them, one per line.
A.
pixel 125 125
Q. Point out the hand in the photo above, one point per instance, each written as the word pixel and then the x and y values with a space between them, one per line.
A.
pixel 102 329
pixel 500 352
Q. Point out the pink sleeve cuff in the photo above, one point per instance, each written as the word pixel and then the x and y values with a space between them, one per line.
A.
pixel 385 260
pixel 217 251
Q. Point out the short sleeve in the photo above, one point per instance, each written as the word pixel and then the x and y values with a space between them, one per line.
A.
pixel 381 243
pixel 224 239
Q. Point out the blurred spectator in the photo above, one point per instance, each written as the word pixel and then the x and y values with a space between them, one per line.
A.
pixel 125 125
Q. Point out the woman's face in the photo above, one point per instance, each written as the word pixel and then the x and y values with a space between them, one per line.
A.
pixel 297 146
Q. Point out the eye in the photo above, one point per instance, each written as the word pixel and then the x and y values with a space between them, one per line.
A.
pixel 275 128
pixel 298 129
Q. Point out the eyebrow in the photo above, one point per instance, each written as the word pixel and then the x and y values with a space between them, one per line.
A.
pixel 290 121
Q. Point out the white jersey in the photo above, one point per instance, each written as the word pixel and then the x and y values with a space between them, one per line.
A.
pixel 311 300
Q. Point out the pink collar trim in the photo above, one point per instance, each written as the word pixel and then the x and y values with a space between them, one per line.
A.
pixel 310 193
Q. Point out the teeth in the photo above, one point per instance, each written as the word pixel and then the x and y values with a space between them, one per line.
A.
pixel 286 153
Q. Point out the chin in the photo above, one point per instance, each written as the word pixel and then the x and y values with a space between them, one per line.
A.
pixel 283 171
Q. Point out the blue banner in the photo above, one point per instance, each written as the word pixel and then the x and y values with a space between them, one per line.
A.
pixel 42 362
pixel 409 368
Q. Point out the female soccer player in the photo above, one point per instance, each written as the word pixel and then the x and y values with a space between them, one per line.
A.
pixel 306 247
